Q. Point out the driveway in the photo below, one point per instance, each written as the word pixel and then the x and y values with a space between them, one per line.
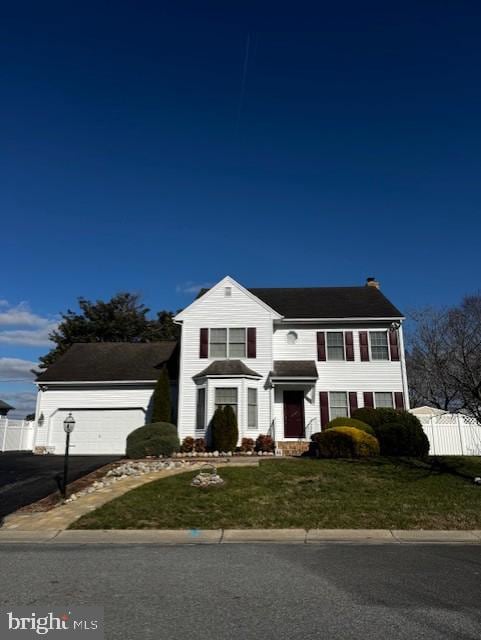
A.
pixel 248 592
pixel 25 478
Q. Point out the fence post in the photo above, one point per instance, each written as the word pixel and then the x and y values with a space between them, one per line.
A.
pixel 458 418
pixel 5 425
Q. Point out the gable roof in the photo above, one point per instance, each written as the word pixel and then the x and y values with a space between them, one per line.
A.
pixel 115 361
pixel 5 405
pixel 227 368
pixel 327 302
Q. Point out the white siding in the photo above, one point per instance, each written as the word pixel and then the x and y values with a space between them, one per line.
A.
pixel 215 310
pixel 57 400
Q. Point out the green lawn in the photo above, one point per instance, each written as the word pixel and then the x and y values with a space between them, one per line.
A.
pixel 302 493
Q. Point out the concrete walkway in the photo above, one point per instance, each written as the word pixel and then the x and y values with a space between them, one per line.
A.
pixel 238 536
pixel 61 517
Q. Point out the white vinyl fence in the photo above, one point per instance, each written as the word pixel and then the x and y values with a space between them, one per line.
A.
pixel 452 434
pixel 16 435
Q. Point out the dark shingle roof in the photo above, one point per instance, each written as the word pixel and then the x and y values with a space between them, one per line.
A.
pixel 329 302
pixel 5 405
pixel 326 302
pixel 101 361
pixel 294 369
pixel 227 368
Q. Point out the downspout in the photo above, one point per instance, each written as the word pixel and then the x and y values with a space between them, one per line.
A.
pixel 404 376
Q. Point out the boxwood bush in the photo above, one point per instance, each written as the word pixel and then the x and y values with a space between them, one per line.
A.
pixel 399 432
pixel 345 442
pixel 350 422
pixel 156 439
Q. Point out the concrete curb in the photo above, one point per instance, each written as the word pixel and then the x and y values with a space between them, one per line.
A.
pixel 238 536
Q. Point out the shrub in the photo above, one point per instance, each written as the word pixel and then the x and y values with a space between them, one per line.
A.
pixel 199 445
pixel 161 403
pixel 350 422
pixel 375 417
pixel 264 443
pixel 156 439
pixel 224 430
pixel 403 438
pixel 345 442
pixel 247 444
pixel 187 445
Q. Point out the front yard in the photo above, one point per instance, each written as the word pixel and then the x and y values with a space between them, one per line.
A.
pixel 304 494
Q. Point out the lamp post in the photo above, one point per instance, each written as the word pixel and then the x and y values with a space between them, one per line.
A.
pixel 68 427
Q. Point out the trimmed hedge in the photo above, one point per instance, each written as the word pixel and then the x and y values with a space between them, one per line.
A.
pixel 156 439
pixel 375 417
pixel 350 422
pixel 403 438
pixel 399 432
pixel 345 442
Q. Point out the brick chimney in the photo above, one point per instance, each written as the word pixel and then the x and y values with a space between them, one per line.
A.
pixel 372 282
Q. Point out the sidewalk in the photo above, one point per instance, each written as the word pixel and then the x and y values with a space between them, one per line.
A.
pixel 238 536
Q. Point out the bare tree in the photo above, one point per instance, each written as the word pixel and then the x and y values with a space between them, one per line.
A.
pixel 444 357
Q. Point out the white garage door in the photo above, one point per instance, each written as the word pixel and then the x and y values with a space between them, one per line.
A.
pixel 97 431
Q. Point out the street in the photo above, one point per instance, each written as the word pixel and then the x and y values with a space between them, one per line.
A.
pixel 256 591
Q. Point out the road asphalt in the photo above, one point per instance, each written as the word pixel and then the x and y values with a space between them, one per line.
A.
pixel 261 591
pixel 25 478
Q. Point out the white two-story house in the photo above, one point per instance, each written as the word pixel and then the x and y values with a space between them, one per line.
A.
pixel 288 359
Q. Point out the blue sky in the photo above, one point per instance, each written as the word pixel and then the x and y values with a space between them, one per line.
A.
pixel 154 147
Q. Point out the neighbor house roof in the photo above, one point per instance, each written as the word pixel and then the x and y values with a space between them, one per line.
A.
pixel 227 368
pixel 294 369
pixel 115 361
pixel 5 405
pixel 327 302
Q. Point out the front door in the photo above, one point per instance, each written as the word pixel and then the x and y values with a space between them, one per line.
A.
pixel 293 414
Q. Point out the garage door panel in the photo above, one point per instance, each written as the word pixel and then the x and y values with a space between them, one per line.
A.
pixel 97 431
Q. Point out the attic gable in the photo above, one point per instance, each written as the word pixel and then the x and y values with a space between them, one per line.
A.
pixel 227 288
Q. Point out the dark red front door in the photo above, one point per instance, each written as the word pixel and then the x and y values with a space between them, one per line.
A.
pixel 293 414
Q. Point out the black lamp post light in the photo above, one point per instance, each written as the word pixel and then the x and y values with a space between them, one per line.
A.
pixel 68 426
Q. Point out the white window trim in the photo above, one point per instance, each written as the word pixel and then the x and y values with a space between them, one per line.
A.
pixel 238 394
pixel 388 359
pixel 329 403
pixel 328 359
pixel 393 405
pixel 227 356
pixel 256 428
pixel 197 428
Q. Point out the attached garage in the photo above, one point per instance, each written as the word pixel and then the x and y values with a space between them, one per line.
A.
pixel 108 389
pixel 103 431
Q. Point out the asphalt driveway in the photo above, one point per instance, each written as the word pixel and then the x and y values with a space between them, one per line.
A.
pixel 25 478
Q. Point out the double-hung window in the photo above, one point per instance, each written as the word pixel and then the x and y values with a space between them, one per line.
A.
pixel 218 343
pixel 227 343
pixel 237 343
pixel 226 396
pixel 200 416
pixel 338 405
pixel 335 345
pixel 383 399
pixel 252 408
pixel 379 345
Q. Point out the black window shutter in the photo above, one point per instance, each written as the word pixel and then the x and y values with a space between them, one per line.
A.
pixel 204 343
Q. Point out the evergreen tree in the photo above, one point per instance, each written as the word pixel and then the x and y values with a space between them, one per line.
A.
pixel 161 402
